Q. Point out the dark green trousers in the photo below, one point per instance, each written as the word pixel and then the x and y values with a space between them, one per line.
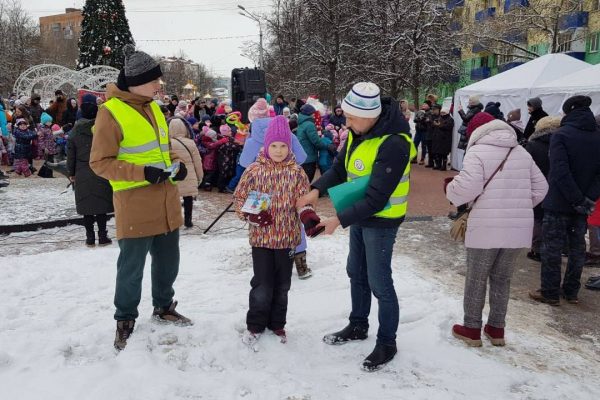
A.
pixel 164 250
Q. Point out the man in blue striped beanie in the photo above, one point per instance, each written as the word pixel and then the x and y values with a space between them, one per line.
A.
pixel 378 149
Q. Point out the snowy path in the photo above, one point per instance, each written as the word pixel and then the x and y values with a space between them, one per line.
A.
pixel 57 330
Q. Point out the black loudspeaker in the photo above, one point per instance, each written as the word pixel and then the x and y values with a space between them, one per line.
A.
pixel 247 85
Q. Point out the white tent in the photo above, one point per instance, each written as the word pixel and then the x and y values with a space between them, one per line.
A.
pixel 585 82
pixel 512 88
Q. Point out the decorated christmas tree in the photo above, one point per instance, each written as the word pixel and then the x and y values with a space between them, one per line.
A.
pixel 104 33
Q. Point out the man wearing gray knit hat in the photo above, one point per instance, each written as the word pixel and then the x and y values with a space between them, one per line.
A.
pixel 131 149
pixel 377 153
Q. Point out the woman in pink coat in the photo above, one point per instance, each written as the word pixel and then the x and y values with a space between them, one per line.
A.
pixel 500 223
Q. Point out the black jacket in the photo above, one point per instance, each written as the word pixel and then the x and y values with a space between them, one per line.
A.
pixel 390 163
pixel 93 195
pixel 539 148
pixel 466 118
pixel 336 120
pixel 23 143
pixel 535 116
pixel 442 134
pixel 574 162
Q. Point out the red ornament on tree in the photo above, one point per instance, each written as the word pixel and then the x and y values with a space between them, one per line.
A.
pixel 107 50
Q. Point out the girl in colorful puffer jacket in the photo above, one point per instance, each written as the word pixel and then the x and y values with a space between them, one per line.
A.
pixel 275 230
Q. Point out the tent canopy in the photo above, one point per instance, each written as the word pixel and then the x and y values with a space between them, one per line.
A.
pixel 529 75
pixel 512 88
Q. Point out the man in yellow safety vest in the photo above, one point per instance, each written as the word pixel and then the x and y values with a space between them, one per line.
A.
pixel 131 149
pixel 379 146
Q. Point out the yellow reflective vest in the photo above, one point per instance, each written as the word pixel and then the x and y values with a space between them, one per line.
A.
pixel 140 145
pixel 361 162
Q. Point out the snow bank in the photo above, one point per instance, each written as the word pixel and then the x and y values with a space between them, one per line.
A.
pixel 57 331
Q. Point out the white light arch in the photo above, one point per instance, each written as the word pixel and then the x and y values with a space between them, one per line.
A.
pixel 47 78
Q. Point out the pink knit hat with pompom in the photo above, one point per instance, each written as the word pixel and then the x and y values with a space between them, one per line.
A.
pixel 260 109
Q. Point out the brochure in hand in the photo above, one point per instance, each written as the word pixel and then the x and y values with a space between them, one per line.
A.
pixel 345 195
pixel 256 202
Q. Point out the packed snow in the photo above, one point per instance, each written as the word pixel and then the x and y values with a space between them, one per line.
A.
pixel 57 333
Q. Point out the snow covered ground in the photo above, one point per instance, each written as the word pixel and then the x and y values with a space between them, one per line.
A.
pixel 36 200
pixel 57 331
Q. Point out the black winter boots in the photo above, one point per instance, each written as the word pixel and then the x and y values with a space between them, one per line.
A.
pixel 348 334
pixel 380 356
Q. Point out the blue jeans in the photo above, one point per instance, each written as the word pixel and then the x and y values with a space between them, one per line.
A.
pixel 559 230
pixel 420 139
pixel 370 270
pixel 239 170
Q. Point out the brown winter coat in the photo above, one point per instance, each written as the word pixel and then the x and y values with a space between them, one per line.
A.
pixel 286 182
pixel 147 211
pixel 188 153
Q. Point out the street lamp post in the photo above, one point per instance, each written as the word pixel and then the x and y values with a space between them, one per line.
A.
pixel 253 17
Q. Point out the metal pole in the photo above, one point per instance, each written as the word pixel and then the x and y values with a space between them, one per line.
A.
pixel 262 61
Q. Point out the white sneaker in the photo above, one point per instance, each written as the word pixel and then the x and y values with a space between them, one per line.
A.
pixel 250 339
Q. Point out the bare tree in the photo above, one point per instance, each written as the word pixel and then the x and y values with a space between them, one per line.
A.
pixel 19 43
pixel 506 33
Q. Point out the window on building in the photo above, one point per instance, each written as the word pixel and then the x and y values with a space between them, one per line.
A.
pixel 68 32
pixel 535 49
pixel 564 42
pixel 594 42
pixel 485 61
pixel 56 27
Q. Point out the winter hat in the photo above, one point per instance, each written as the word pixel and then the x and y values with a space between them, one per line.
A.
pixel 140 68
pixel 576 102
pixel 445 110
pixel 57 130
pixel 260 109
pixel 535 103
pixel 493 108
pixel 278 131
pixel 307 109
pixel 205 118
pixel 225 130
pixel 286 110
pixel 363 101
pixel 212 135
pixel 330 127
pixel 547 124
pixel 514 115
pixel 89 106
pixel 177 128
pixel 21 121
pixel 478 120
pixel 272 112
pixel 474 100
pixel 192 121
pixel 45 118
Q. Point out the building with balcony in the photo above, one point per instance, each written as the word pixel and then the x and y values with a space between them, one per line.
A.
pixel 578 36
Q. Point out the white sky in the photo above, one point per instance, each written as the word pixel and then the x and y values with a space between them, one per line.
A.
pixel 182 19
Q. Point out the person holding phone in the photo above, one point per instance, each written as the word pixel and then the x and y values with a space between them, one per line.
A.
pixel 378 146
pixel 131 148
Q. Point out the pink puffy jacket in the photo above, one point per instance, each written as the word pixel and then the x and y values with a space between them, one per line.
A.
pixel 503 215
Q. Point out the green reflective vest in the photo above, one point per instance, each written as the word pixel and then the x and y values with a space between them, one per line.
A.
pixel 140 145
pixel 361 162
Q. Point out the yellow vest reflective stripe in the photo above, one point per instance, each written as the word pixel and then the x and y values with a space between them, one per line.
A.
pixel 361 161
pixel 140 145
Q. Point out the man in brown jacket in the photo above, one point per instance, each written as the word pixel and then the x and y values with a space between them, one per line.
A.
pixel 131 149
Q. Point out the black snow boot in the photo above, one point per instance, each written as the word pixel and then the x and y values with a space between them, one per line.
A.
pixel 90 238
pixel 103 239
pixel 380 356
pixel 124 330
pixel 348 334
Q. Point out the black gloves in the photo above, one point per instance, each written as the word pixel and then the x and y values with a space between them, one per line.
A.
pixel 181 174
pixel 156 175
pixel 586 207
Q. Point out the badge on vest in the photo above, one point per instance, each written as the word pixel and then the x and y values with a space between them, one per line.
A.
pixel 359 165
pixel 162 132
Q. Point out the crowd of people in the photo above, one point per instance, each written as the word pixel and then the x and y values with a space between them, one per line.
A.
pixel 521 186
